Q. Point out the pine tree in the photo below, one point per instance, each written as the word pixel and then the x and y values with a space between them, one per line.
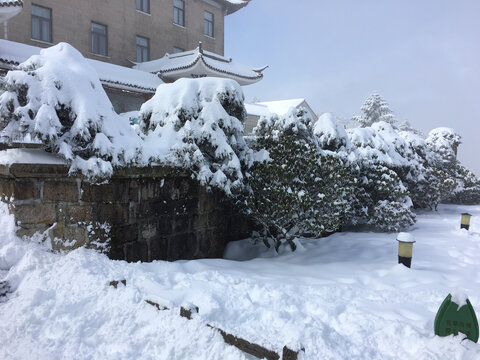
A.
pixel 375 109
pixel 298 191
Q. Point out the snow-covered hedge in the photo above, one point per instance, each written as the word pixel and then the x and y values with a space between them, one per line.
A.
pixel 313 178
pixel 299 190
pixel 198 125
pixel 57 99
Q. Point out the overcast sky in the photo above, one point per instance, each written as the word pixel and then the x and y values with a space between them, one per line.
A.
pixel 422 56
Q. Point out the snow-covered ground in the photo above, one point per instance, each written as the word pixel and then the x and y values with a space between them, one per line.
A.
pixel 341 297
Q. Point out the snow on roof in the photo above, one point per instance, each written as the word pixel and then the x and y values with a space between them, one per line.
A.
pixel 9 8
pixel 200 63
pixel 233 5
pixel 257 110
pixel 5 3
pixel 14 53
pixel 281 107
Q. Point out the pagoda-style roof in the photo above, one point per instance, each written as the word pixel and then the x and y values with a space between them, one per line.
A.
pixel 199 63
pixel 110 75
pixel 9 8
pixel 233 5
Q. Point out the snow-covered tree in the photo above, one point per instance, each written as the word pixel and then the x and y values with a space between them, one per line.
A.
pixel 375 109
pixel 297 191
pixel 381 199
pixel 467 189
pixel 197 124
pixel 444 142
pixel 56 98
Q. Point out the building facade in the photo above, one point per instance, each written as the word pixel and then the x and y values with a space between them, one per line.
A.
pixel 123 32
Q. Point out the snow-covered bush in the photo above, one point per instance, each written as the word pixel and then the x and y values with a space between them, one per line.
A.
pixel 381 199
pixel 56 98
pixel 331 135
pixel 298 191
pixel 444 142
pixel 197 124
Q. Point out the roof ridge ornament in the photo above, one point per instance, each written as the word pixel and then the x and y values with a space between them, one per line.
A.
pixel 262 69
pixel 200 48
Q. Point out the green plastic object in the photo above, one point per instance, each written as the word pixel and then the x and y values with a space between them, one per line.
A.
pixel 452 320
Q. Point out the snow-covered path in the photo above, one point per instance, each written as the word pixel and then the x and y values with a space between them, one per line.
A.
pixel 342 297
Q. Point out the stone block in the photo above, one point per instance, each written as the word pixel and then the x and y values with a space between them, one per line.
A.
pixel 206 203
pixel 66 191
pixel 79 213
pixel 20 189
pixel 113 214
pixel 164 225
pixel 112 192
pixel 180 224
pixel 69 237
pixel 148 230
pixel 154 189
pixel 35 213
pixel 137 251
pixel 204 239
pixel 121 234
pixel 182 246
pixel 133 191
pixel 7 188
pixel 39 170
pixel 200 222
pixel 30 229
pixel 154 208
pixel 158 248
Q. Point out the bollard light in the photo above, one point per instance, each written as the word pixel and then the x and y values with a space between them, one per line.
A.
pixel 465 222
pixel 405 248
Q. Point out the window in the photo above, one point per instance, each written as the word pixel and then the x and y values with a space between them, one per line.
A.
pixel 99 39
pixel 208 23
pixel 125 101
pixel 177 50
pixel 143 49
pixel 143 5
pixel 179 12
pixel 41 23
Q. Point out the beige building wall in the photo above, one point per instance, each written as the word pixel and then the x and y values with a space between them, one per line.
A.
pixel 71 20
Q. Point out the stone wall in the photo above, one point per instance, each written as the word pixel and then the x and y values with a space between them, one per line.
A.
pixel 140 214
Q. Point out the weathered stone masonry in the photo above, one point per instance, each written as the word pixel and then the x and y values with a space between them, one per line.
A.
pixel 144 213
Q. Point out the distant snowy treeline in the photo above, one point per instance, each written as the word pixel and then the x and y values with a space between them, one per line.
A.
pixel 297 177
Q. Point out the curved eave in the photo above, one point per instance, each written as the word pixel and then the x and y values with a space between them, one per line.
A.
pixel 11 65
pixel 9 10
pixel 199 68
pixel 230 7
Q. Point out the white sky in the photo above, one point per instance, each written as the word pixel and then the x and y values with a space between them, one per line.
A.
pixel 422 56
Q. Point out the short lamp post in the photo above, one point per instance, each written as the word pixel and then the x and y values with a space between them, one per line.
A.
pixel 465 222
pixel 405 248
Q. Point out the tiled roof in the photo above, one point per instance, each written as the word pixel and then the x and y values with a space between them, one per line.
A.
pixel 233 5
pixel 184 61
pixel 5 3
pixel 9 8
pixel 110 75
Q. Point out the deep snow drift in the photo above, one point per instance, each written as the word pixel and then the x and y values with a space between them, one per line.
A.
pixel 341 297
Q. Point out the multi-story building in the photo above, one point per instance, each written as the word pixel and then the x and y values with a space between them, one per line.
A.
pixel 122 31
pixel 153 36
